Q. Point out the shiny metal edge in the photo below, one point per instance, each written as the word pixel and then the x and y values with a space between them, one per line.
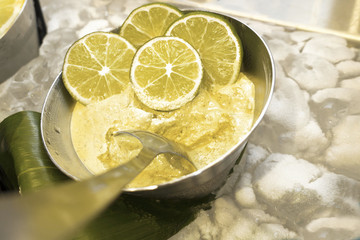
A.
pixel 20 43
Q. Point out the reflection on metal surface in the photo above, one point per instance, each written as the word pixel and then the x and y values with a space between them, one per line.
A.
pixel 355 19
pixel 20 43
pixel 337 17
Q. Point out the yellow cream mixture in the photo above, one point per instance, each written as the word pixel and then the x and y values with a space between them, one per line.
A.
pixel 208 127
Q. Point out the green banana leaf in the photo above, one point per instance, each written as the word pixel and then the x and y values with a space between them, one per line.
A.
pixel 25 166
pixel 24 155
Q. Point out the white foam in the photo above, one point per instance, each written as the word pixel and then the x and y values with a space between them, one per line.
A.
pixel 349 95
pixel 289 107
pixel 348 69
pixel 272 182
pixel 307 142
pixel 353 83
pixel 347 223
pixel 302 36
pixel 344 152
pixel 94 26
pixel 244 194
pixel 329 47
pixel 310 71
pixel 281 49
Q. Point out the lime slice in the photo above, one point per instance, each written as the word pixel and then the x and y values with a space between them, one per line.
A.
pixel 166 73
pixel 97 66
pixel 9 10
pixel 217 43
pixel 148 21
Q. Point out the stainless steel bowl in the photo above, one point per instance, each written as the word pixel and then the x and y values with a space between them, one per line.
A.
pixel 20 43
pixel 57 111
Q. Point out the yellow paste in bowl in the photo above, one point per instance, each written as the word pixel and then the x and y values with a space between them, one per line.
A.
pixel 208 126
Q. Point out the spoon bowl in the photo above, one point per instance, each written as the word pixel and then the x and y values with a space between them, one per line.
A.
pixel 154 144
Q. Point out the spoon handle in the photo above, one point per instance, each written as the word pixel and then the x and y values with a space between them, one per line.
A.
pixel 57 212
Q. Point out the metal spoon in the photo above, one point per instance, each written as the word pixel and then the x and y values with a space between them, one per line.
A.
pixel 57 212
pixel 154 144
